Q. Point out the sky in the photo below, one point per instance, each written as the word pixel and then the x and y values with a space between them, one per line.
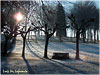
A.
pixel 74 1
pixel 66 5
pixel 96 1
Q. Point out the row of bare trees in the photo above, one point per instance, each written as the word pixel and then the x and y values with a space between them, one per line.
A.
pixel 35 18
pixel 84 16
pixel 10 27
pixel 83 10
pixel 48 18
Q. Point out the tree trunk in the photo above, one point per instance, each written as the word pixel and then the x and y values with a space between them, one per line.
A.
pixel 66 32
pixel 90 35
pixel 84 36
pixel 23 52
pixel 97 36
pixel 46 46
pixel 77 45
pixel 60 38
pixel 74 33
pixel 94 35
pixel 6 45
pixel 38 34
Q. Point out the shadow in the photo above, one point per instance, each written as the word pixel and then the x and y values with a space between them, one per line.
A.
pixel 32 46
pixel 4 59
pixel 93 63
pixel 9 49
pixel 30 71
pixel 58 66
pixel 27 46
pixel 13 44
pixel 12 48
pixel 55 64
pixel 59 46
pixel 67 66
pixel 39 45
pixel 91 46
pixel 82 47
pixel 4 64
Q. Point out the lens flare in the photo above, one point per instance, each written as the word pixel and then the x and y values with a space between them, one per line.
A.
pixel 18 16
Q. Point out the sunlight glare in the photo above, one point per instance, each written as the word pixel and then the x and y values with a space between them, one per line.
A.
pixel 18 16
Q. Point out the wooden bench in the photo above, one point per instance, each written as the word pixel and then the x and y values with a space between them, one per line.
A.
pixel 60 56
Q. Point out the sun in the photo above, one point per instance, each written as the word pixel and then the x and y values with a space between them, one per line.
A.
pixel 18 16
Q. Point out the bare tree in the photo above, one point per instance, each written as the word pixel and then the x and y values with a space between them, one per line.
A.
pixel 61 20
pixel 14 28
pixel 7 22
pixel 49 25
pixel 83 10
pixel 78 27
pixel 29 9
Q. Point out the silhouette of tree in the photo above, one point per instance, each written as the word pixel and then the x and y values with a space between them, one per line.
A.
pixel 26 26
pixel 12 28
pixel 78 27
pixel 7 22
pixel 61 20
pixel 83 10
pixel 49 28
pixel 96 24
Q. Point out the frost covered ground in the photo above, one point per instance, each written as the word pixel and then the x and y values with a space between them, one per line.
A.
pixel 36 64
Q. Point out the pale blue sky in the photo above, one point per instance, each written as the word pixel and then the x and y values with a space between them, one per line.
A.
pixel 96 1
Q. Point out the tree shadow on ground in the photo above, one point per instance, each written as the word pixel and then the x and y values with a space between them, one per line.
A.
pixel 36 44
pixel 55 62
pixel 67 66
pixel 90 46
pixel 96 64
pixel 30 71
pixel 93 63
pixel 83 47
pixel 9 50
pixel 4 59
pixel 12 48
pixel 4 64
pixel 28 48
pixel 46 60
pixel 58 66
pixel 39 45
pixel 62 44
pixel 61 65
